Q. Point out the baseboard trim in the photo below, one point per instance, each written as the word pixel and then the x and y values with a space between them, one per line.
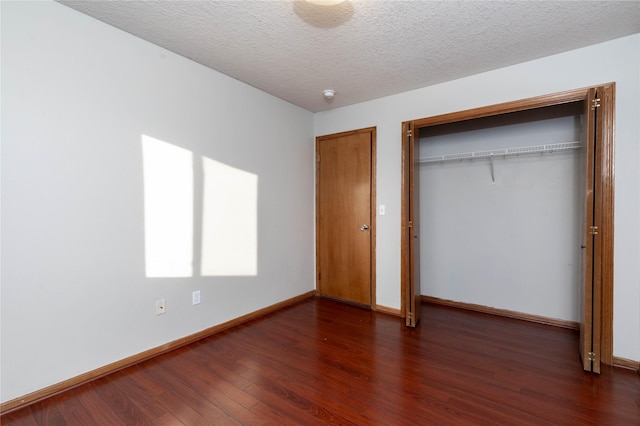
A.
pixel 389 311
pixel 626 363
pixel 503 313
pixel 73 382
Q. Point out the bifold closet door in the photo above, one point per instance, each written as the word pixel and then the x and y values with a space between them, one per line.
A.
pixel 592 246
pixel 410 251
pixel 593 236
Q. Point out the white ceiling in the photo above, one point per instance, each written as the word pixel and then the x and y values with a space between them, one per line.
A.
pixel 363 49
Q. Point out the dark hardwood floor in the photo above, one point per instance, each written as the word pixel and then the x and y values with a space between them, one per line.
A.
pixel 323 362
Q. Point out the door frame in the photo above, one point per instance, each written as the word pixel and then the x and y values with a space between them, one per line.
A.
pixel 604 199
pixel 372 243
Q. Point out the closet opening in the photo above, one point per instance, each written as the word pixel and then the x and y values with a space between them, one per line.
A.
pixel 510 208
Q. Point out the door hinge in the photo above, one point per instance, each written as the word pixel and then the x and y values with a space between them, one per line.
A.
pixel 591 356
pixel 594 230
pixel 410 315
pixel 318 158
pixel 410 224
pixel 595 103
pixel 409 133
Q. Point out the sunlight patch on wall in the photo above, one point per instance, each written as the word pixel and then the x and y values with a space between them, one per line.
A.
pixel 230 221
pixel 168 209
pixel 229 231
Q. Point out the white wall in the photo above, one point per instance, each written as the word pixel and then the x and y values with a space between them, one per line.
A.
pixel 617 60
pixel 511 243
pixel 77 96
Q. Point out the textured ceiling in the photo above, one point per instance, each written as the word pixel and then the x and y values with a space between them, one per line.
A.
pixel 363 49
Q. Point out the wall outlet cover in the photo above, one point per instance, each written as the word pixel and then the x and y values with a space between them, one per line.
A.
pixel 161 307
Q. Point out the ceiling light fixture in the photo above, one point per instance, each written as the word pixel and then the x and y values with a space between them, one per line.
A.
pixel 325 2
pixel 328 94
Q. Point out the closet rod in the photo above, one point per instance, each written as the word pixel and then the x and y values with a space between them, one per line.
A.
pixel 506 152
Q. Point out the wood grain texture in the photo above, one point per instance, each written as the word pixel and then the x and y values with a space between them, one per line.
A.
pixel 590 279
pixel 389 311
pixel 505 108
pixel 323 362
pixel 572 325
pixel 135 359
pixel 607 96
pixel 414 293
pixel 344 205
pixel 626 363
pixel 405 235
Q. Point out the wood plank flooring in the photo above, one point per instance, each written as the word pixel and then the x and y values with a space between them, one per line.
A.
pixel 323 362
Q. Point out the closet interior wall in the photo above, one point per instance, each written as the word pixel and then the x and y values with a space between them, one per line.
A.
pixel 505 235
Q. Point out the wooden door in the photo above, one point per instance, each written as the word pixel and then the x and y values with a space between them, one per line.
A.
pixel 592 247
pixel 410 223
pixel 344 219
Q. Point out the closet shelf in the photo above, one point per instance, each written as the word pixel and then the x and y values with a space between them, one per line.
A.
pixel 502 153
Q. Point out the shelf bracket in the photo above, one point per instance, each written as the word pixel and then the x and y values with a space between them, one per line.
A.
pixel 493 178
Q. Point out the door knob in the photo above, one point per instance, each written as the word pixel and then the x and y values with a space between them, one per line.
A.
pixel 364 227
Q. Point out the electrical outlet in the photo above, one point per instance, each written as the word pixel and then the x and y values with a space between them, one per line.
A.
pixel 161 307
pixel 195 297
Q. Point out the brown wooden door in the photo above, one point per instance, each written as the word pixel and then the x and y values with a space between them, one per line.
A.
pixel 344 216
pixel 591 247
pixel 411 222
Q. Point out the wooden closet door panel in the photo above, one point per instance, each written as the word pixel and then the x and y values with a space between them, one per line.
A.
pixel 589 317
